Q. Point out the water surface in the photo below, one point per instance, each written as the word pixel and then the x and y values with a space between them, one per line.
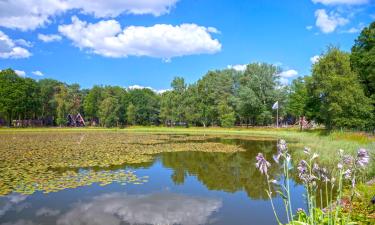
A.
pixel 189 188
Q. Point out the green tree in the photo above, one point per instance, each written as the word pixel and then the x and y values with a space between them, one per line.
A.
pixel 363 59
pixel 131 114
pixel 336 93
pixel 20 97
pixel 92 102
pixel 227 115
pixel 297 98
pixel 147 106
pixel 108 112
pixel 258 89
pixel 48 90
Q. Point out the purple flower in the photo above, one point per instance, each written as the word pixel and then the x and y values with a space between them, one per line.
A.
pixel 363 157
pixel 348 159
pixel 347 174
pixel 281 146
pixel 262 164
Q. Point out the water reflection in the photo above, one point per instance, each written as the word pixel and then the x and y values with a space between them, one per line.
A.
pixel 160 208
pixel 224 179
pixel 228 172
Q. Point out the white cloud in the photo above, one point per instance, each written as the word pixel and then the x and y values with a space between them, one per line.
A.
pixel 120 208
pixel 23 42
pixel 309 27
pixel 164 41
pixel 341 2
pixel 329 23
pixel 136 86
pixel 113 8
pixel 20 73
pixel 47 212
pixel 238 67
pixel 314 59
pixel 9 48
pixel 37 73
pixel 10 201
pixel 31 14
pixel 49 37
pixel 288 73
pixel 283 81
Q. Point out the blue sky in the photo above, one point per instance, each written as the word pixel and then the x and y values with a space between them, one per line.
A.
pixel 147 43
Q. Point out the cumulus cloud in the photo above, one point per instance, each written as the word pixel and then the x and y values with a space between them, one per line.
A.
pixel 37 73
pixel 288 73
pixel 113 8
pixel 118 208
pixel 136 86
pixel 10 201
pixel 49 37
pixel 20 222
pixel 329 22
pixel 20 73
pixel 314 59
pixel 31 14
pixel 47 212
pixel 9 48
pixel 341 2
pixel 238 67
pixel 164 41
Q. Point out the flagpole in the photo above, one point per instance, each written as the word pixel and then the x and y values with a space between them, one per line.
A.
pixel 277 117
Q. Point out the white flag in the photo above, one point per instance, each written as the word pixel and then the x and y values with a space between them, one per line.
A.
pixel 275 105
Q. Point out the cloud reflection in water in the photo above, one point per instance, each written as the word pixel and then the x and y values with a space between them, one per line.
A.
pixel 160 208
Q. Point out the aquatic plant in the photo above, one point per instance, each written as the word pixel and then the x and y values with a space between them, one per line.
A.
pixel 53 161
pixel 317 179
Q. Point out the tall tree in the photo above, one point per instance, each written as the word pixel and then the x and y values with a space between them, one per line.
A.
pixel 92 102
pixel 297 98
pixel 131 114
pixel 337 94
pixel 258 90
pixel 48 89
pixel 363 59
pixel 108 112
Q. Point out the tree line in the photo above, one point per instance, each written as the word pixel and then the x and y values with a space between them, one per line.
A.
pixel 339 93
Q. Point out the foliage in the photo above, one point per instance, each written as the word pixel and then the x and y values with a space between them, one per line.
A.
pixel 53 161
pixel 297 98
pixel 108 112
pixel 336 94
pixel 363 59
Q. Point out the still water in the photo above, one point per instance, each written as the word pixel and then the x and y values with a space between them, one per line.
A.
pixel 188 188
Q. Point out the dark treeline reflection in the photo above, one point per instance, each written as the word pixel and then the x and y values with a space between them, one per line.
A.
pixel 228 172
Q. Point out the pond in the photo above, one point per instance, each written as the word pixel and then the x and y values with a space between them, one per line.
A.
pixel 202 186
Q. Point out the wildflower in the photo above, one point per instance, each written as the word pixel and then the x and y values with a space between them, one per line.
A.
pixel 300 210
pixel 262 164
pixel 302 166
pixel 347 159
pixel 339 165
pixel 281 146
pixel 314 156
pixel 276 158
pixel 347 174
pixel 363 157
pixel 307 150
